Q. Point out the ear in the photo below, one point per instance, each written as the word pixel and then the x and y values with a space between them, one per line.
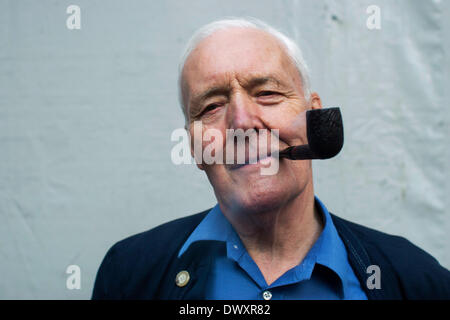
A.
pixel 315 101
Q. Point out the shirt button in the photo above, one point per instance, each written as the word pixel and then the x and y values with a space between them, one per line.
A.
pixel 267 295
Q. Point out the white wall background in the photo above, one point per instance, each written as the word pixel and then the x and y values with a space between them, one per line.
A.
pixel 86 117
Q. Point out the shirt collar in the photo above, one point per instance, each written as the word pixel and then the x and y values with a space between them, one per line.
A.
pixel 213 227
pixel 328 250
pixel 331 251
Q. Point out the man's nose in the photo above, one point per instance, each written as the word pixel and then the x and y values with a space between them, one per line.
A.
pixel 243 113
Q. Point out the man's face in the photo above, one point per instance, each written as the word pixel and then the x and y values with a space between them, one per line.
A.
pixel 242 79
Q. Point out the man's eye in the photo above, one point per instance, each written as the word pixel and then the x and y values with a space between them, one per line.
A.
pixel 266 93
pixel 210 108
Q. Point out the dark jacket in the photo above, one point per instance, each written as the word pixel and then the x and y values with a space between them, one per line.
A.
pixel 144 266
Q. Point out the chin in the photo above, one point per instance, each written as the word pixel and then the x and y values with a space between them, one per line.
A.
pixel 261 198
pixel 250 193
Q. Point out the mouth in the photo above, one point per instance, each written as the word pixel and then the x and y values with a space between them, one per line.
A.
pixel 264 161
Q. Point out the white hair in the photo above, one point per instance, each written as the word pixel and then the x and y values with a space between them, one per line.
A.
pixel 292 50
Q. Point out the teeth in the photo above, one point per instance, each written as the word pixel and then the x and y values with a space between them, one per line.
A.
pixel 265 161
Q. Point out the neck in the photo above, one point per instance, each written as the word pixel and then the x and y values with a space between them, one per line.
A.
pixel 279 239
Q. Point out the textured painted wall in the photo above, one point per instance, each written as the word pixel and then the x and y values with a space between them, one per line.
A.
pixel 86 117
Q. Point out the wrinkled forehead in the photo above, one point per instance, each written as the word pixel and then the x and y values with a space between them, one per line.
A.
pixel 237 52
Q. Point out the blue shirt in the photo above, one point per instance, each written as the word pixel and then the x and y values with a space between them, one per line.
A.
pixel 324 273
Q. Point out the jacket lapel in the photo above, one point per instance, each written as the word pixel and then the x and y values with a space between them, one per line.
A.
pixel 198 262
pixel 357 249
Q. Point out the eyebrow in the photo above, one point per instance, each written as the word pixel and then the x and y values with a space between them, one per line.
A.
pixel 258 81
pixel 211 92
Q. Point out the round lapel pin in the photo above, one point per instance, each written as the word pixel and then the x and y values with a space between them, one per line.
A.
pixel 182 278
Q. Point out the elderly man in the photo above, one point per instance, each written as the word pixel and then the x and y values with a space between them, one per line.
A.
pixel 268 237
